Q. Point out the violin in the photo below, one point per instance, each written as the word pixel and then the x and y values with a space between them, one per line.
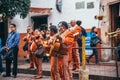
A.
pixel 33 46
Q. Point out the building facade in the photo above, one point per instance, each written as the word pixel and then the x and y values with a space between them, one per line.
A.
pixel 44 12
pixel 84 10
pixel 110 10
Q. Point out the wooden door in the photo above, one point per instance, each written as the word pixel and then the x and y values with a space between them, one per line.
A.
pixel 115 19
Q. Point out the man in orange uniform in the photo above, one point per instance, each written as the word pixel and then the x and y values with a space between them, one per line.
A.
pixel 28 38
pixel 65 50
pixel 54 59
pixel 75 56
pixel 72 24
pixel 38 60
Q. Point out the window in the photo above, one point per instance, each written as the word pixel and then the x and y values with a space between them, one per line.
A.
pixel 80 5
pixel 90 5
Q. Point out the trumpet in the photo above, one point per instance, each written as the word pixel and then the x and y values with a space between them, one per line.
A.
pixel 112 34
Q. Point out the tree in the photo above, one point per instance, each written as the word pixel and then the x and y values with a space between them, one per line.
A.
pixel 10 8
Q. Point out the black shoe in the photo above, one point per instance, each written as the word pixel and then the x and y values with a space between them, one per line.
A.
pixel 6 75
pixel 28 61
pixel 80 64
pixel 14 76
pixel 87 61
pixel 97 62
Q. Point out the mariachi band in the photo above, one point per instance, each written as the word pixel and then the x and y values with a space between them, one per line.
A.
pixel 58 46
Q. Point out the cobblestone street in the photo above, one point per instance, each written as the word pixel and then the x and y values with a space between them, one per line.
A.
pixel 26 77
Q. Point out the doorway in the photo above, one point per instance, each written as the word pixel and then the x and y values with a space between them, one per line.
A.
pixel 115 22
pixel 3 32
pixel 115 16
pixel 40 22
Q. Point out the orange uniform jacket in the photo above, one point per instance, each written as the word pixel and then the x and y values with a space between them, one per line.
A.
pixel 73 31
pixel 67 42
pixel 28 38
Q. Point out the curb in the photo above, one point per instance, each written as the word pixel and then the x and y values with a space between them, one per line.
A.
pixel 75 75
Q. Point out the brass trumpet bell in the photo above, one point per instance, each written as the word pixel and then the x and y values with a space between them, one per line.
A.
pixel 112 34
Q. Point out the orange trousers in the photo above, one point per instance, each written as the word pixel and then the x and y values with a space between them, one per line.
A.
pixel 75 56
pixel 32 59
pixel 54 68
pixel 38 64
pixel 63 68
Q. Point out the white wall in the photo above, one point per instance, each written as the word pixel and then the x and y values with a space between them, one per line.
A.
pixel 68 12
pixel 21 23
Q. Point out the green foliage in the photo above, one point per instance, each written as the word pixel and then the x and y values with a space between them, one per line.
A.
pixel 10 8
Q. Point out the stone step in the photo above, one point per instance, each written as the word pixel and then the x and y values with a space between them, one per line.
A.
pixel 75 75
pixel 103 71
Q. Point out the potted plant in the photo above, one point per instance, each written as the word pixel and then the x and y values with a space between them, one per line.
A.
pixel 99 17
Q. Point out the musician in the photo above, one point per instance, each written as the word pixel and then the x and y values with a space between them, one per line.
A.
pixel 54 59
pixel 47 34
pixel 72 56
pixel 65 50
pixel 12 46
pixel 75 56
pixel 38 61
pixel 29 38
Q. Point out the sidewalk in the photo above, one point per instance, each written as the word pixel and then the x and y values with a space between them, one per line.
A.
pixel 103 70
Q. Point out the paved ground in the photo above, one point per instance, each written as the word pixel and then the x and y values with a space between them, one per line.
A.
pixel 27 77
pixel 103 69
pixel 107 69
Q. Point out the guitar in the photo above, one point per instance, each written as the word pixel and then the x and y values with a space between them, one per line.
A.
pixel 55 47
pixel 56 44
pixel 34 46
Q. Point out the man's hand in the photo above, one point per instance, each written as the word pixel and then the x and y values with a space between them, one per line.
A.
pixel 59 38
pixel 7 48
